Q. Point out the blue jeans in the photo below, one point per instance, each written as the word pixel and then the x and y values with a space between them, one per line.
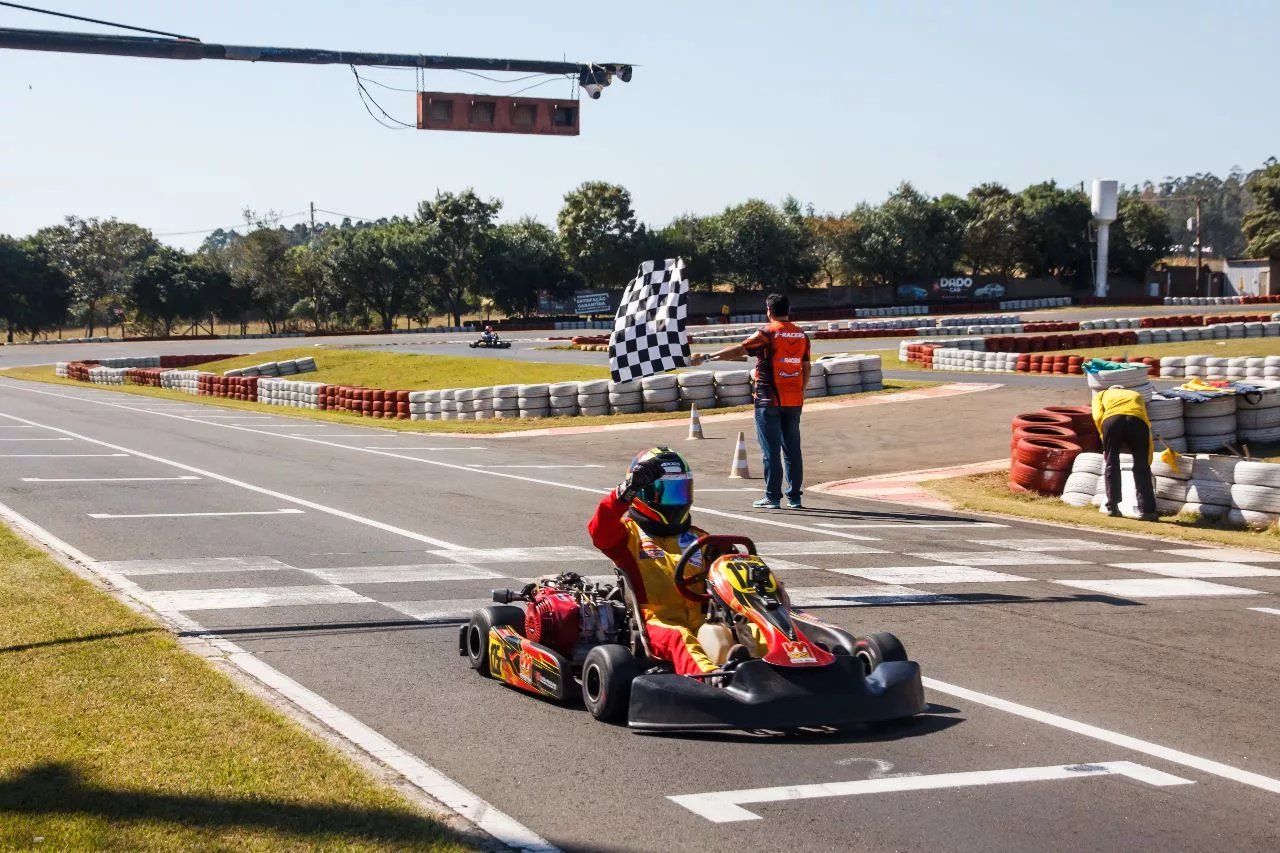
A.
pixel 778 431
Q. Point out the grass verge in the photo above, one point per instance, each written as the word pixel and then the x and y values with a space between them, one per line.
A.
pixel 45 374
pixel 990 493
pixel 117 738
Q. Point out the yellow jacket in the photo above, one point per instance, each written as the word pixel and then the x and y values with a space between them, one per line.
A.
pixel 1120 401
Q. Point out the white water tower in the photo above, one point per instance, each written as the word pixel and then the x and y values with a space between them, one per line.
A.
pixel 1104 213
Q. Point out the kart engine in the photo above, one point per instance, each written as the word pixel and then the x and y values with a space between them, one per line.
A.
pixel 571 615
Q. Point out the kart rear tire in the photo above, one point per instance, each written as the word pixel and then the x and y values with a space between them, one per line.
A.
pixel 477 636
pixel 875 649
pixel 473 345
pixel 607 674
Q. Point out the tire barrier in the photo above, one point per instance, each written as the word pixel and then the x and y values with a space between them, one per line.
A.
pixel 1219 300
pixel 230 387
pixel 1043 447
pixel 273 369
pixel 1239 492
pixel 297 395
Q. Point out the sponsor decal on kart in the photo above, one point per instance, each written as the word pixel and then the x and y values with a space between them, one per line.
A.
pixel 799 652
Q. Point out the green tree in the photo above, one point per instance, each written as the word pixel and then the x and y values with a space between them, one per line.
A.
pixel 34 292
pixel 1059 228
pixel 1261 226
pixel 258 264
pixel 98 257
pixel 689 237
pixel 1139 237
pixel 523 260
pixel 165 289
pixel 911 238
pixel 597 228
pixel 828 236
pixel 461 224
pixel 385 267
pixel 757 245
pixel 313 282
pixel 997 234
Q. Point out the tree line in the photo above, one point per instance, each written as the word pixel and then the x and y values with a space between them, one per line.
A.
pixel 452 256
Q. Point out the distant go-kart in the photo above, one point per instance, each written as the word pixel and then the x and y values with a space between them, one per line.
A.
pixel 574 638
pixel 490 343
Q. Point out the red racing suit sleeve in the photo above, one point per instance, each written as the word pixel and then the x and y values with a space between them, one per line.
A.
pixel 611 537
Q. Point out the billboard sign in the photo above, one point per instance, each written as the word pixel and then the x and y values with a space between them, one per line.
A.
pixel 592 302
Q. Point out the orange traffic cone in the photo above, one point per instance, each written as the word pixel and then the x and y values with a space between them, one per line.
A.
pixel 738 468
pixel 695 423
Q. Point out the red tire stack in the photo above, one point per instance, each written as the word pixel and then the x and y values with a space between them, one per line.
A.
pixel 1042 453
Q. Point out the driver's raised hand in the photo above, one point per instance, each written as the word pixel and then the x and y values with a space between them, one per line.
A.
pixel 645 474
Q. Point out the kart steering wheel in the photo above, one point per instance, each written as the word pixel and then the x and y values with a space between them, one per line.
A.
pixel 725 544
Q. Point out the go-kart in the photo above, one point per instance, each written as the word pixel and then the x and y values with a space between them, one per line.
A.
pixel 490 342
pixel 574 638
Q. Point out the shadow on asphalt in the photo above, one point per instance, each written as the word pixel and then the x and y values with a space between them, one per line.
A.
pixel 955 598
pixel 864 515
pixel 59 789
pixel 86 638
pixel 930 722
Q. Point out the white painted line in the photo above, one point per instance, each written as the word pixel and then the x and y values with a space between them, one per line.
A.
pixel 313 435
pixel 404 574
pixel 1157 588
pixel 1050 544
pixel 726 806
pixel 483 465
pixel 195 566
pixel 703 491
pixel 106 479
pixel 288 511
pixel 439 610
pixel 251 597
pixel 1226 555
pixel 420 774
pixel 549 554
pixel 399 531
pixel 1123 741
pixel 1199 570
pixel 18 426
pixel 203 417
pixel 995 558
pixel 908 525
pixel 803 549
pixel 59 455
pixel 35 439
pixel 930 574
pixel 862 596
pixel 1272 610
pixel 447 448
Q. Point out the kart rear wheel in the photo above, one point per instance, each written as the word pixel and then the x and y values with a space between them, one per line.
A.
pixel 477 636
pixel 607 674
pixel 875 649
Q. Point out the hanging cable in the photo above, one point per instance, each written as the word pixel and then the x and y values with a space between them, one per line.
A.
pixel 367 99
pixel 96 21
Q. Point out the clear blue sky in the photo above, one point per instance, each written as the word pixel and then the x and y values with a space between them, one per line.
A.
pixel 834 102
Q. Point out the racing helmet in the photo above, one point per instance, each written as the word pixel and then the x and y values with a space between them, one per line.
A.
pixel 662 508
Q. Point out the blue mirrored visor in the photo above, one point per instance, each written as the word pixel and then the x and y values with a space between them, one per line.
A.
pixel 674 490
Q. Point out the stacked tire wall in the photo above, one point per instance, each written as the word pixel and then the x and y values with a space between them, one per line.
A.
pixel 1043 447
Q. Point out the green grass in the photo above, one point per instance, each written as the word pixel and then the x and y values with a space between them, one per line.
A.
pixel 44 373
pixel 116 738
pixel 407 371
pixel 989 493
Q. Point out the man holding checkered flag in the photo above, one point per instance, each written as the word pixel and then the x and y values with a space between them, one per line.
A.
pixel 648 330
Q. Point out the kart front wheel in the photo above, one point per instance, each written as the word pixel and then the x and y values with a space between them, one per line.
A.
pixel 875 649
pixel 607 674
pixel 476 638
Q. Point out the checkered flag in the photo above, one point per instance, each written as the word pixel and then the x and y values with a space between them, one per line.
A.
pixel 648 331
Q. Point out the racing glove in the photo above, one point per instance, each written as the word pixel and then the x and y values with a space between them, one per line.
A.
pixel 646 473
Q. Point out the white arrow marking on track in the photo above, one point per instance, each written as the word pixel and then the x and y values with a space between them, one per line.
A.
pixel 726 806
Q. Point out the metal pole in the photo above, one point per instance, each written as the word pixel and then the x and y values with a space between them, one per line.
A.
pixel 166 48
pixel 1198 274
pixel 313 218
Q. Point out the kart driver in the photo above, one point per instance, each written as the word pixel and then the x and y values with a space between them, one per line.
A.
pixel 488 333
pixel 643 526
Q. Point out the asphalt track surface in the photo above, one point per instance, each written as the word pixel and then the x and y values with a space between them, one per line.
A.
pixel 1088 691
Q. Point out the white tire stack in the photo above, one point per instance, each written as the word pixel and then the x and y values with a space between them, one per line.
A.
pixel 696 388
pixel 1167 422
pixel 1085 480
pixel 593 397
pixel 871 374
pixel 1197 366
pixel 1259 421
pixel 482 403
pixel 534 401
pixel 1271 367
pixel 733 387
pixel 505 401
pixel 1211 424
pixel 563 399
pixel 424 405
pixel 625 398
pixel 817 385
pixel 660 393
pixel 1173 367
pixel 448 405
pixel 464 404
pixel 844 375
pixel 1209 489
